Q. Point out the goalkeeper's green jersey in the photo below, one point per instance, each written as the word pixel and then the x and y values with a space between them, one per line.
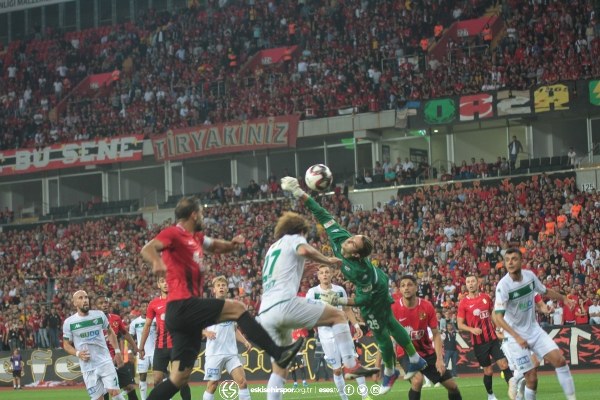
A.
pixel 371 283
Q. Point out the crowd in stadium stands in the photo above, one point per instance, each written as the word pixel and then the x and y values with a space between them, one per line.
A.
pixel 438 233
pixel 7 216
pixel 184 68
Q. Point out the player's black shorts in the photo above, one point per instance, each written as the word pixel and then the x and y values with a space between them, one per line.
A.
pixel 162 358
pixel 125 375
pixel 486 351
pixel 16 373
pixel 185 321
pixel 432 373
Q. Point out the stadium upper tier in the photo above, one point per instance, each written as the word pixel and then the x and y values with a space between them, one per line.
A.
pixel 196 66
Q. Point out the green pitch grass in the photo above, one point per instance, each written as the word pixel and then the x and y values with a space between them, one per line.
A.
pixel 471 388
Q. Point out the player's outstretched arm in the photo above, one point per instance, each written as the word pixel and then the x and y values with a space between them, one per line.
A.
pixel 554 295
pixel 291 185
pixel 309 252
pixel 219 246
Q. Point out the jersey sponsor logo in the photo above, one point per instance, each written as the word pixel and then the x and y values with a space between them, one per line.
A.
pixel 86 324
pixel 415 334
pixel 197 258
pixel 523 360
pixel 521 292
pixel 483 314
pixel 366 289
pixel 329 224
pixel 89 334
pixel 525 305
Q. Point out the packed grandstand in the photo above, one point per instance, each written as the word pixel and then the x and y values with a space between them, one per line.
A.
pixel 185 68
pixel 440 235
pixel 191 66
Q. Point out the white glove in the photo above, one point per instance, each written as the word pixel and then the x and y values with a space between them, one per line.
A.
pixel 332 298
pixel 289 184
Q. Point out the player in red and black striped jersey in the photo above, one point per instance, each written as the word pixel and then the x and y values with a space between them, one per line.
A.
pixel 475 316
pixel 157 309
pixel 418 318
pixel 125 373
pixel 177 252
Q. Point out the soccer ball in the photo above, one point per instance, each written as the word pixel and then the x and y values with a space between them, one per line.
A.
pixel 318 177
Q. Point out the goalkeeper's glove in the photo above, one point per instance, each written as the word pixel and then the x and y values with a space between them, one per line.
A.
pixel 289 184
pixel 332 298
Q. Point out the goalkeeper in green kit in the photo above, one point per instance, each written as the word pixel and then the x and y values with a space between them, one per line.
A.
pixel 372 294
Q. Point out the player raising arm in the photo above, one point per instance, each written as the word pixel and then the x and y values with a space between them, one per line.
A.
pixel 372 294
pixel 515 314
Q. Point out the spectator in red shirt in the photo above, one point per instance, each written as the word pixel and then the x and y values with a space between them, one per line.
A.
pixel 581 313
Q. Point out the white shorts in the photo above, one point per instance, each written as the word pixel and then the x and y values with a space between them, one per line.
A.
pixel 145 365
pixel 280 320
pixel 101 379
pixel 332 353
pixel 215 364
pixel 519 359
pixel 539 343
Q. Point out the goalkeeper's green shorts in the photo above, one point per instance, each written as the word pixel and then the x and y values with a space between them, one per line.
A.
pixel 377 317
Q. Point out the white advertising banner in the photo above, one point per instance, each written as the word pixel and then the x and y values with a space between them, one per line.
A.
pixel 16 5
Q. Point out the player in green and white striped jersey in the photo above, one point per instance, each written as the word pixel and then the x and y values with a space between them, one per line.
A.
pixel 371 289
pixel 515 314
pixel 83 338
